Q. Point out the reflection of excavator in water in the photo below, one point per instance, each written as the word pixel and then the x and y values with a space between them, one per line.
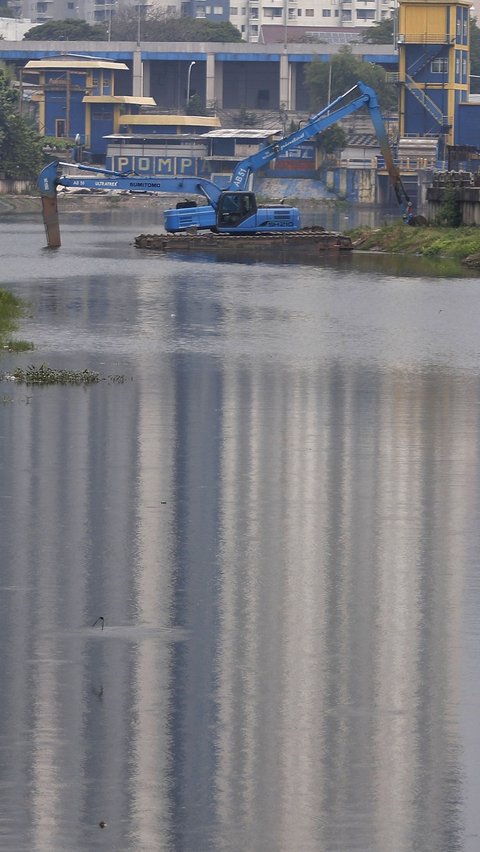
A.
pixel 233 210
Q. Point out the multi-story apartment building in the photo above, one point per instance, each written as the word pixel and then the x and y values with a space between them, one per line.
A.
pixel 42 11
pixel 248 16
pixel 92 11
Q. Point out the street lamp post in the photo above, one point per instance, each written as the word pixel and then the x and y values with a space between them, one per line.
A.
pixel 188 80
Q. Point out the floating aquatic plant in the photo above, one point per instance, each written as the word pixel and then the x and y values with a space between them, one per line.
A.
pixel 45 375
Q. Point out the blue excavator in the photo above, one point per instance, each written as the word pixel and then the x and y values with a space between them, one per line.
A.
pixel 233 210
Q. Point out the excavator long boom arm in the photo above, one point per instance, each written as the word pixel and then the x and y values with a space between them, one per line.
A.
pixel 333 113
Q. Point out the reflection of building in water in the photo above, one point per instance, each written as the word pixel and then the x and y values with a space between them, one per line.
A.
pixel 425 502
pixel 85 533
pixel 343 498
pixel 308 526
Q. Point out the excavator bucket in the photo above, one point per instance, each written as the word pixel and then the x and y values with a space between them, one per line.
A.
pixel 51 221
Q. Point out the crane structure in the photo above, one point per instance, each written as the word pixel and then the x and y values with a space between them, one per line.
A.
pixel 233 210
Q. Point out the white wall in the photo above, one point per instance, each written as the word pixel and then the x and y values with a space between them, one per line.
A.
pixel 13 29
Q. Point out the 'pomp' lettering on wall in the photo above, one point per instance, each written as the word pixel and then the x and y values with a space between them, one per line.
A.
pixel 156 166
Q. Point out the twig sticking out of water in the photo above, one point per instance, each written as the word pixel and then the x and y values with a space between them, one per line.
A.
pixel 101 619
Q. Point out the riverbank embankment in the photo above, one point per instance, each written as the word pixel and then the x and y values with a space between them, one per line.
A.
pixel 83 201
pixel 462 244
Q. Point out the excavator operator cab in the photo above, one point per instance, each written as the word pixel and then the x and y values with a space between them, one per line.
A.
pixel 234 207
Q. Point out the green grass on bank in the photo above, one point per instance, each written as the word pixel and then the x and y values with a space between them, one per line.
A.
pixel 430 241
pixel 11 311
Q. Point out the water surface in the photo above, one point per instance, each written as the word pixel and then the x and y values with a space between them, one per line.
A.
pixel 277 515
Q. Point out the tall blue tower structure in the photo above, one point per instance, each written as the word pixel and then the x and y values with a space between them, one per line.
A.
pixel 434 66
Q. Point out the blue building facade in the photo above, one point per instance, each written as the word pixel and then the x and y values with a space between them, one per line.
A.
pixel 75 97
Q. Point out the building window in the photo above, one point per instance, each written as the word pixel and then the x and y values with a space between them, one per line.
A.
pixel 217 10
pixel 309 13
pixel 59 128
pixel 365 14
pixel 326 13
pixel 346 14
pixel 233 10
pixel 254 29
pixel 439 65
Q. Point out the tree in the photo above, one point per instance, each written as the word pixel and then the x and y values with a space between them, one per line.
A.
pixel 449 214
pixel 68 30
pixel 244 118
pixel 194 106
pixel 380 33
pixel 332 139
pixel 20 146
pixel 159 25
pixel 346 70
